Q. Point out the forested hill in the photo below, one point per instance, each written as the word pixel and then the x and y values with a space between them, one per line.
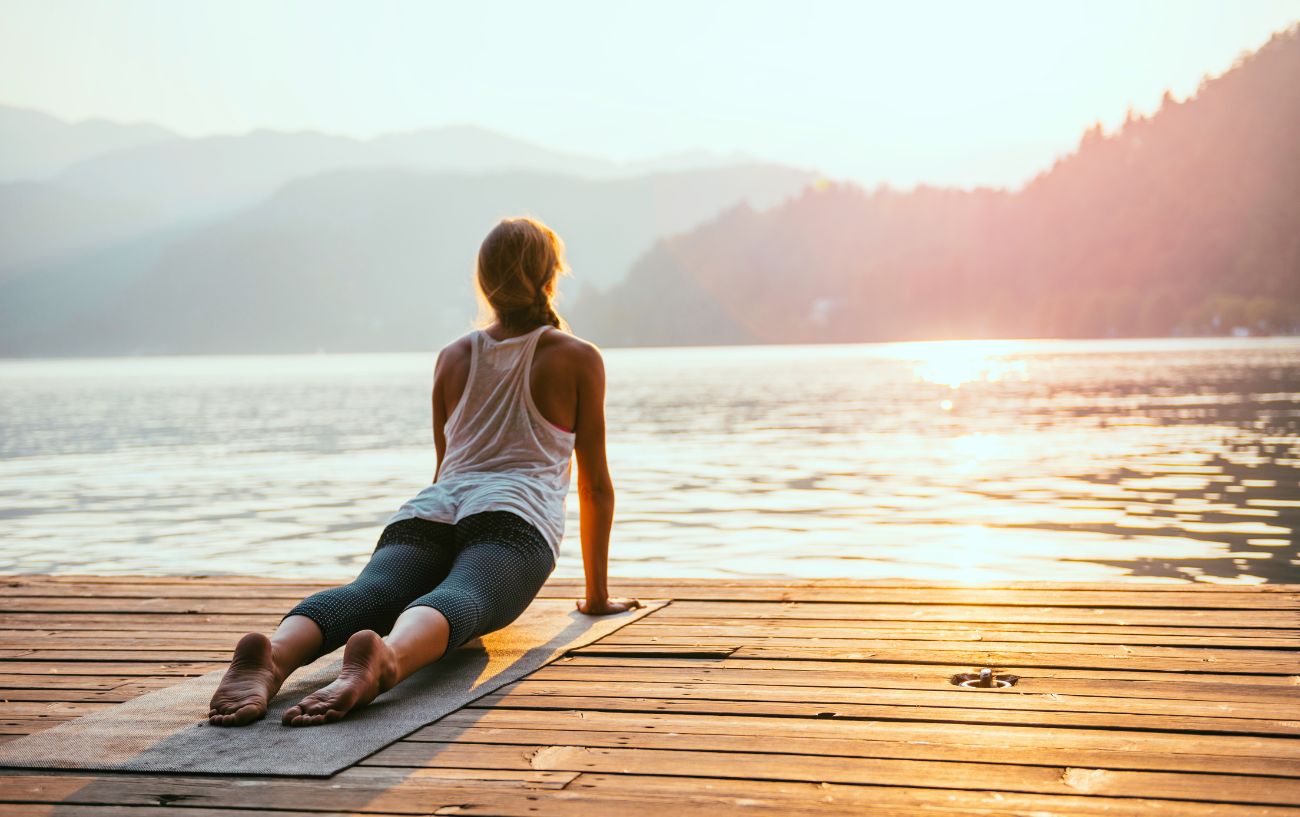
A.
pixel 1183 222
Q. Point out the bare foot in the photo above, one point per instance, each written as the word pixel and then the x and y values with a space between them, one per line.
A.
pixel 248 684
pixel 369 668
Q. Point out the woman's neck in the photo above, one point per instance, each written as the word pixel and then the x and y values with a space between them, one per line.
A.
pixel 499 331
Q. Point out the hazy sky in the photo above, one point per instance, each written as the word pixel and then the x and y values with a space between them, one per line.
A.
pixel 951 93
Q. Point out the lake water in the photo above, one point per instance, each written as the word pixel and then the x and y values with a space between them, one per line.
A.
pixel 1165 460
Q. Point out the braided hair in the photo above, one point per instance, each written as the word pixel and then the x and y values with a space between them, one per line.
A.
pixel 518 264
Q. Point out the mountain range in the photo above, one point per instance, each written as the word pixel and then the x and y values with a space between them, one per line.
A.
pixel 1183 222
pixel 305 241
pixel 129 239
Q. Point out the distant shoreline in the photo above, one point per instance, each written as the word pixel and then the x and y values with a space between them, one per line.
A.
pixel 1011 345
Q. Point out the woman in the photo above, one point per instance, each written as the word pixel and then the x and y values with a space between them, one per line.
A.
pixel 512 403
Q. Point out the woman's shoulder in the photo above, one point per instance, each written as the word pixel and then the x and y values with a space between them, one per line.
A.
pixel 457 354
pixel 566 348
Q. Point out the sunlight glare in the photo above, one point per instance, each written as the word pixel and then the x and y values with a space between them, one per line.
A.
pixel 952 363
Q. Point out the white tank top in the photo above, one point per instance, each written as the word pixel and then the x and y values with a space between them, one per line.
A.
pixel 502 454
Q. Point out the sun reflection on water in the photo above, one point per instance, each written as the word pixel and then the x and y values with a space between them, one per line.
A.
pixel 954 363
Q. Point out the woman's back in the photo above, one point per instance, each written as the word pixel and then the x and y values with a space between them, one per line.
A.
pixel 495 425
pixel 498 449
pixel 557 361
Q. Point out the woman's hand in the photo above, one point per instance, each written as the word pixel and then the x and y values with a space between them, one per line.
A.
pixel 593 607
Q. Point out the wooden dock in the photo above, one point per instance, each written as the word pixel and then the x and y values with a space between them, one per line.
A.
pixel 739 697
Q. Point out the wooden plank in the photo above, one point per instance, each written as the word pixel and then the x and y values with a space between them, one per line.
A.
pixel 380 790
pixel 420 791
pixel 1167 723
pixel 1185 599
pixel 158 604
pixel 42 709
pixel 1284 666
pixel 1027 739
pixel 214 629
pixel 1284 659
pixel 675 581
pixel 723 641
pixel 1231 662
pixel 1279 638
pixel 158 579
pixel 884 677
pixel 875 800
pixel 182 669
pixel 655 650
pixel 71 683
pixel 209 622
pixel 1177 585
pixel 863 612
pixel 949 696
pixel 920 670
pixel 140 654
pixel 27 726
pixel 980 613
pixel 377 790
pixel 121 641
pixel 128 624
pixel 61 696
pixel 1207 787
pixel 68 694
pixel 100 810
pixel 784 617
pixel 26 588
pixel 975 751
pixel 1113 599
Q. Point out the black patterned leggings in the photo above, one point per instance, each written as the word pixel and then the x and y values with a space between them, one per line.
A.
pixel 481 573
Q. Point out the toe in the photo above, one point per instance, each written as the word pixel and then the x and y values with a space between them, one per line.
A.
pixel 303 719
pixel 247 714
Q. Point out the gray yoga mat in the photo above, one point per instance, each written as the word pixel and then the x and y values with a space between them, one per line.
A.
pixel 168 731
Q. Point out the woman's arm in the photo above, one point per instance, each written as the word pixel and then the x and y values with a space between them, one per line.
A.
pixel 439 409
pixel 595 488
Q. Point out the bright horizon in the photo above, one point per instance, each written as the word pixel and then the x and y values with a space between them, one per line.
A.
pixel 945 94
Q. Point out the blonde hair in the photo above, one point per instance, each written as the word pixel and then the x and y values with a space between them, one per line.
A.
pixel 515 277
